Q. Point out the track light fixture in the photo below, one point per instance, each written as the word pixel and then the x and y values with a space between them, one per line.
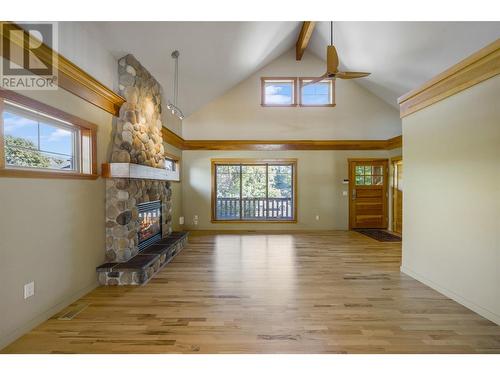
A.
pixel 174 109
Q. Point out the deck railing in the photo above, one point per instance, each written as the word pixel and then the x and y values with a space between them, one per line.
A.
pixel 254 209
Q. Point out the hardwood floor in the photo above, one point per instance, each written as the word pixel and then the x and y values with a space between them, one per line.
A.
pixel 327 292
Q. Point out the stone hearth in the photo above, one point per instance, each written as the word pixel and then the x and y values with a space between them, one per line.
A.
pixel 142 267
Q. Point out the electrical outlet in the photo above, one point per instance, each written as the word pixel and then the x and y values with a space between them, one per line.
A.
pixel 317 217
pixel 29 290
pixel 195 217
pixel 195 220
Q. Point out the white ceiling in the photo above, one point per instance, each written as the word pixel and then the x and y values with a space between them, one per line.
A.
pixel 401 55
pixel 216 56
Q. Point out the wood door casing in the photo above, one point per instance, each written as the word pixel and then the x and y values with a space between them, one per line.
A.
pixel 397 195
pixel 368 193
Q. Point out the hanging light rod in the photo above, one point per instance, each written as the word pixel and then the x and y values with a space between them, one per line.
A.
pixel 176 111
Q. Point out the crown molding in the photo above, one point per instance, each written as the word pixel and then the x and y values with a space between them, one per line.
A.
pixel 70 77
pixel 396 142
pixel 279 145
pixel 476 68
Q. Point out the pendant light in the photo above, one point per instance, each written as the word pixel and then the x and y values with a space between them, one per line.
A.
pixel 176 111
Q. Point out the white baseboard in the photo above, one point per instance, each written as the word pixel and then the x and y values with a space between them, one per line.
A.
pixel 490 315
pixel 25 328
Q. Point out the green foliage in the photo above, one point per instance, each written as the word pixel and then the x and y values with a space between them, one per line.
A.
pixel 22 152
pixel 228 181
pixel 280 181
pixel 253 180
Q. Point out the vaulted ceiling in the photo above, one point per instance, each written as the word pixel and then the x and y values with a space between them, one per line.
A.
pixel 216 56
pixel 402 55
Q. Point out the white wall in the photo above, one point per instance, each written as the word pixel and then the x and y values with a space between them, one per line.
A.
pixel 168 120
pixel 238 114
pixel 451 231
pixel 319 179
pixel 81 44
pixel 51 232
pixel 176 199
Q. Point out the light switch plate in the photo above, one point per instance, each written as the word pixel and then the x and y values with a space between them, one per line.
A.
pixel 29 290
pixel 344 193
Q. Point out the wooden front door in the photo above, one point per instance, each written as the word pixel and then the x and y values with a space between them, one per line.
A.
pixel 368 193
pixel 397 195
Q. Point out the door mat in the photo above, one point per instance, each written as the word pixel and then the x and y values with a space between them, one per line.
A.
pixel 379 235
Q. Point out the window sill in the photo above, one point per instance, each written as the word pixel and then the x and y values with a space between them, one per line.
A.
pixel 8 172
pixel 279 105
pixel 316 105
pixel 253 221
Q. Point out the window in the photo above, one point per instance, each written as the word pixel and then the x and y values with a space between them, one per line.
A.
pixel 35 138
pixel 281 92
pixel 254 190
pixel 278 92
pixel 369 175
pixel 319 94
pixel 172 166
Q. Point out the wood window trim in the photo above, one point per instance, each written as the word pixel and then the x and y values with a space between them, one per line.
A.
pixel 252 161
pixel 177 161
pixel 82 125
pixel 299 93
pixel 173 157
pixel 262 91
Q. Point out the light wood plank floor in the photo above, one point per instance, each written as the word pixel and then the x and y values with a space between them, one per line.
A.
pixel 328 292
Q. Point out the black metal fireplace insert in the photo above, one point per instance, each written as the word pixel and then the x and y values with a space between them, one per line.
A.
pixel 149 223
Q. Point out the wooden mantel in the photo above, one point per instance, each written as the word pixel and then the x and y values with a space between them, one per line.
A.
pixel 137 171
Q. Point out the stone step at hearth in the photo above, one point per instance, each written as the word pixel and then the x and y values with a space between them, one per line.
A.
pixel 139 269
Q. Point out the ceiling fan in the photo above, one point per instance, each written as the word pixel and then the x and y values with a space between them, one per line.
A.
pixel 332 65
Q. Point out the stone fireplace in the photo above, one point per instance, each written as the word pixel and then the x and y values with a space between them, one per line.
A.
pixel 138 210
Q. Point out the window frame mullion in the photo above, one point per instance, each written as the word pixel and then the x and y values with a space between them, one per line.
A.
pixel 267 192
pixel 241 192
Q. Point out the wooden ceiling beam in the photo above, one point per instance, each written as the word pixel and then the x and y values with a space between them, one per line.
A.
pixel 304 37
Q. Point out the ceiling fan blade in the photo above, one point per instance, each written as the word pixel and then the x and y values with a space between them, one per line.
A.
pixel 332 60
pixel 351 75
pixel 316 80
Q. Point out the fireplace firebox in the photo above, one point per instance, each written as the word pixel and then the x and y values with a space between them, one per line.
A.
pixel 149 223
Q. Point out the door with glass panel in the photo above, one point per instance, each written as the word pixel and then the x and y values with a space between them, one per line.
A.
pixel 368 193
